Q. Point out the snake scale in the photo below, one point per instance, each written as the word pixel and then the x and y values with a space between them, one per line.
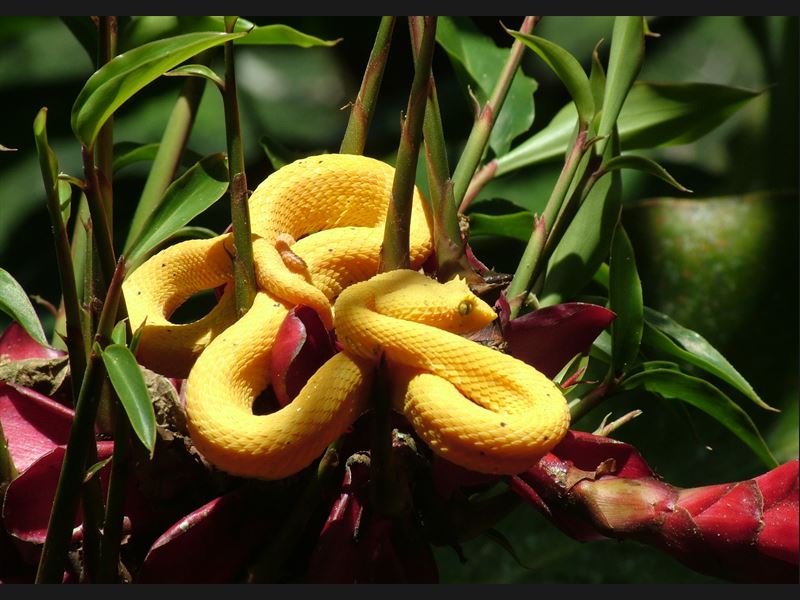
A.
pixel 317 231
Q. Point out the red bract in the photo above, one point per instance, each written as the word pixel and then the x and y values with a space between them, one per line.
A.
pixel 549 337
pixel 210 545
pixel 33 424
pixel 358 547
pixel 29 498
pixel 16 344
pixel 594 488
pixel 302 346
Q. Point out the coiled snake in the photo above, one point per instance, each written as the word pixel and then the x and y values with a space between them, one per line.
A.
pixel 477 407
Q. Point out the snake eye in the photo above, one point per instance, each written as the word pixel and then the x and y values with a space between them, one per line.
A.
pixel 464 308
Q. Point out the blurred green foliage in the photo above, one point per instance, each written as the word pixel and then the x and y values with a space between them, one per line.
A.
pixel 741 293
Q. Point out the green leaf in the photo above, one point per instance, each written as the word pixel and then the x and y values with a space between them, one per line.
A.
pixel 644 164
pixel 188 196
pixel 694 349
pixel 597 78
pixel 567 68
pixel 119 334
pixel 95 469
pixel 128 153
pixel 197 71
pixel 655 114
pixel 517 225
pixel 48 163
pixel 675 385
pixel 122 77
pixel 16 304
pixel 478 63
pixel 126 377
pixel 147 29
pixel 624 64
pixel 586 242
pixel 65 199
pixel 625 299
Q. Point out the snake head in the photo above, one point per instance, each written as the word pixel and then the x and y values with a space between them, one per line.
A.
pixel 467 312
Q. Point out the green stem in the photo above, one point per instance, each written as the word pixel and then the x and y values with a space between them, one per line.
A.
pixel 107 42
pixel 355 136
pixel 8 471
pixel 581 407
pixel 482 128
pixel 244 274
pixel 101 226
pixel 484 175
pixel 449 245
pixel 553 219
pixel 394 252
pixel 92 502
pixel 74 333
pixel 81 437
pixel 170 150
pixel 115 501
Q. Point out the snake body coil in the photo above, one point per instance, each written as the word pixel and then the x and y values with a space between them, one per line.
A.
pixel 477 407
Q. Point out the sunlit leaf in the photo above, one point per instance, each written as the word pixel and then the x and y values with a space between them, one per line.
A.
pixel 625 299
pixel 624 63
pixel 185 198
pixel 197 71
pixel 666 335
pixel 516 225
pixel 568 70
pixel 654 114
pixel 16 304
pixel 126 377
pixel 122 77
pixel 645 165
pixel 149 28
pixel 128 153
pixel 478 62
pixel 701 394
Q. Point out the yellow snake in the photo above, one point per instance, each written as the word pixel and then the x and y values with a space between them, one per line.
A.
pixel 477 407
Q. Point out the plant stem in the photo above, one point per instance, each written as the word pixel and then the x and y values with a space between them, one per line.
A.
pixel 394 252
pixel 530 265
pixel 74 333
pixel 582 406
pixel 480 179
pixel 449 246
pixel 8 471
pixel 101 226
pixel 482 128
pixel 355 136
pixel 170 150
pixel 115 501
pixel 244 274
pixel 81 437
pixel 107 49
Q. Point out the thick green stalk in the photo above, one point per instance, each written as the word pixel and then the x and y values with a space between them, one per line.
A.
pixel 107 49
pixel 532 258
pixel 482 128
pixel 81 438
pixel 244 274
pixel 449 246
pixel 355 136
pixel 101 226
pixel 170 150
pixel 74 333
pixel 394 252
